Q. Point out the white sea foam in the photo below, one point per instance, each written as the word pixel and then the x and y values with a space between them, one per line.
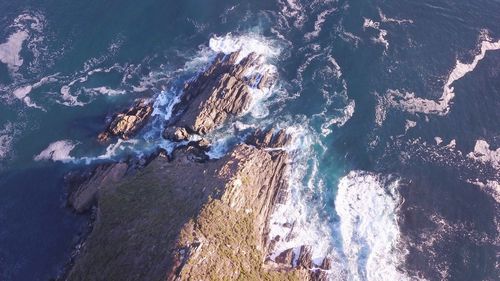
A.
pixel 346 114
pixel 6 140
pixel 10 50
pixel 484 154
pixel 219 148
pixel 103 90
pixel 70 91
pixel 320 20
pixel 27 29
pixel 367 205
pixel 295 221
pixel 409 102
pixel 57 151
pixel 68 99
pixel 346 35
pixel 292 9
pixel 384 18
pixel 491 187
pixel 368 23
pixel 22 92
pixel 410 124
pixel 245 44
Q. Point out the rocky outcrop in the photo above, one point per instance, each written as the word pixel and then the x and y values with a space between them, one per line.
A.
pixel 184 216
pixel 127 123
pixel 221 92
pixel 186 219
pixel 176 134
pixel 269 138
pixel 230 233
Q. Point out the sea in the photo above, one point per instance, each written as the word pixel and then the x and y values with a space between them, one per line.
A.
pixel 393 106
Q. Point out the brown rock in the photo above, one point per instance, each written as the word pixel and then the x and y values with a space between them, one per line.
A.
pixel 176 134
pixel 286 257
pixel 221 92
pixel 127 123
pixel 327 263
pixel 305 257
pixel 185 220
pixel 269 138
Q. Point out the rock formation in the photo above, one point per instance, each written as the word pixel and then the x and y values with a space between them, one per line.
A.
pixel 186 217
pixel 223 91
pixel 127 123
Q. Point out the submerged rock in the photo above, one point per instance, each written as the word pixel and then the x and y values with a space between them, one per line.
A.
pixel 86 186
pixel 127 123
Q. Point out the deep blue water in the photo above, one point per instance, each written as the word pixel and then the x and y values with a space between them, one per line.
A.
pixel 346 73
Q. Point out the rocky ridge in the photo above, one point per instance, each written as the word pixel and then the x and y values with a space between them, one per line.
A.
pixel 128 122
pixel 184 216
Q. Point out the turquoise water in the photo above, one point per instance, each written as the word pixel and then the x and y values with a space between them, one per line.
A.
pixel 346 73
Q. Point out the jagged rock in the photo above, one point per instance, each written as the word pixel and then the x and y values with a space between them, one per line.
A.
pixel 127 123
pixel 85 186
pixel 269 138
pixel 322 273
pixel 163 153
pixel 221 92
pixel 305 257
pixel 176 134
pixel 286 257
pixel 203 143
pixel 327 263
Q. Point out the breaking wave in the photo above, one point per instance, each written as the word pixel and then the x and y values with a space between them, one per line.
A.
pixel 367 205
pixel 296 220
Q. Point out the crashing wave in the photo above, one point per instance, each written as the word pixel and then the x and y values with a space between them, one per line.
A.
pixel 484 154
pixel 296 220
pixel 367 205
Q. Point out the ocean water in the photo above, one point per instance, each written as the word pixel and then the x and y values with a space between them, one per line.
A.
pixel 393 107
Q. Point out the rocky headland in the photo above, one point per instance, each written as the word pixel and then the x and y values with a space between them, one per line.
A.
pixel 184 216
